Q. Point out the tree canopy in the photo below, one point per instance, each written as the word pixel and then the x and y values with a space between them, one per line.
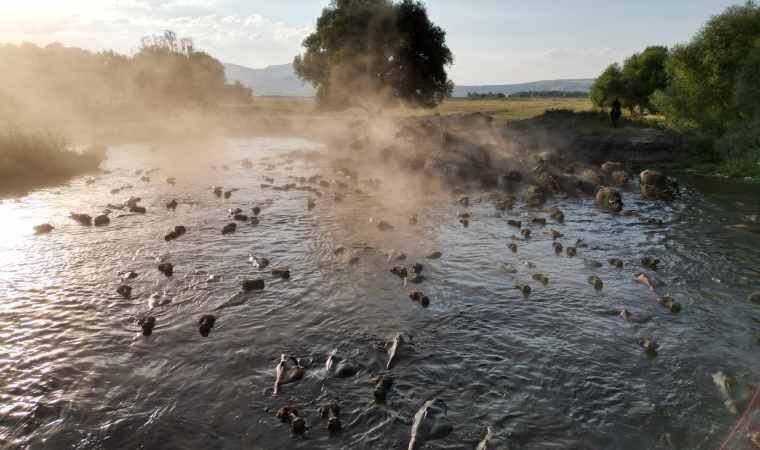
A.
pixel 705 74
pixel 376 52
pixel 641 75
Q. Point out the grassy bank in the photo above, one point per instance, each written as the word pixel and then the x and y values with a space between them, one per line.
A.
pixel 33 159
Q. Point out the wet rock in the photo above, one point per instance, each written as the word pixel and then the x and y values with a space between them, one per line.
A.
pixel 650 262
pixel 217 190
pixel 554 234
pixel 413 219
pixel 669 304
pixel 557 215
pixel 572 251
pixel 464 222
pixel 331 411
pixel 84 219
pixel 420 298
pixel 147 323
pixel 383 385
pixel 538 221
pixel 616 262
pixel 512 246
pixel 645 280
pixel 596 282
pixel 101 220
pixel 171 180
pixel 523 288
pixel 228 194
pixel 281 273
pixel 43 228
pixel 172 205
pixel 464 215
pixel 754 298
pixel 166 269
pixel 649 345
pixel 145 179
pixel 129 275
pixel 240 217
pixel 625 314
pixel 534 196
pixel 256 210
pixel 434 255
pixel 253 285
pixel 557 247
pixel 464 201
pixel 541 278
pixel 137 209
pixel 213 278
pixel 609 199
pixel 259 262
pixel 656 186
pixel 311 204
pixel 504 203
pixel 205 324
pixel 429 423
pixel 229 228
pixel 384 226
pixel 178 231
pixel 525 232
pixel 339 250
pixel 125 291
pixel 246 163
pixel 514 223
pixel 254 221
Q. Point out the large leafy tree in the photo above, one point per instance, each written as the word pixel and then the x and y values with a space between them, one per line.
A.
pixel 702 74
pixel 374 52
pixel 643 74
pixel 608 86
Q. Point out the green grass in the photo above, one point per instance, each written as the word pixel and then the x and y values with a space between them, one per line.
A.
pixel 30 159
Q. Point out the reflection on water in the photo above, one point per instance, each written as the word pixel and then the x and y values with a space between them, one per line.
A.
pixel 558 369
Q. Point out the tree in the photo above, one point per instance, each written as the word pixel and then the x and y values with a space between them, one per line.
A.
pixel 608 86
pixel 375 52
pixel 643 74
pixel 703 73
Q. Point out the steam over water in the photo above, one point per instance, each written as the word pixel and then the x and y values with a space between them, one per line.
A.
pixel 558 369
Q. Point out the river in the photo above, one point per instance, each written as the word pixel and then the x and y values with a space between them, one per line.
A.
pixel 558 369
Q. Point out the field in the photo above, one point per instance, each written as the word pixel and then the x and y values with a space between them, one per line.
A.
pixel 503 109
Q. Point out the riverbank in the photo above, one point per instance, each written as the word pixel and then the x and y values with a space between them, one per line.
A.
pixel 34 159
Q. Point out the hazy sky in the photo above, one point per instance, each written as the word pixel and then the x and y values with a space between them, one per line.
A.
pixel 494 41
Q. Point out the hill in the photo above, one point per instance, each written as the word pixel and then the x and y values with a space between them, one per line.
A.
pixel 581 84
pixel 282 80
pixel 271 80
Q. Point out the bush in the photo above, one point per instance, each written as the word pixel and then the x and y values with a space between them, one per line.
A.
pixel 37 158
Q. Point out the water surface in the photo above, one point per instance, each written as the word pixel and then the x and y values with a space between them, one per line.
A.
pixel 558 369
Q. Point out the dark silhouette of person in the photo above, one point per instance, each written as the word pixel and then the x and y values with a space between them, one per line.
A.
pixel 615 112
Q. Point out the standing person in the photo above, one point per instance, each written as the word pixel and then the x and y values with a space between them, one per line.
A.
pixel 616 112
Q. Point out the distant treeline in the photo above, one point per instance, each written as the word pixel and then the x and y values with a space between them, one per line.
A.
pixel 166 72
pixel 528 94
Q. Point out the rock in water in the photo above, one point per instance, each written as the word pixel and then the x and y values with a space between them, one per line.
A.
pixel 429 423
pixel 205 324
pixel 44 228
pixel 253 285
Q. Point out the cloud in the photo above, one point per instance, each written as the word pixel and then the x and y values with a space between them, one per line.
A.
pixel 249 39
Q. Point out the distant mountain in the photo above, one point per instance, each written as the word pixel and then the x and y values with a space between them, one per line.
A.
pixel 282 80
pixel 271 80
pixel 582 84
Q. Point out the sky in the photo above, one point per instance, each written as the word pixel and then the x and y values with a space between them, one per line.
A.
pixel 493 41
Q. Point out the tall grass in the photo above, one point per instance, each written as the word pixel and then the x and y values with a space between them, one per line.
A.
pixel 30 159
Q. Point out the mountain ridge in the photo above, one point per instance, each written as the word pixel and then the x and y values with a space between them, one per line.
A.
pixel 281 80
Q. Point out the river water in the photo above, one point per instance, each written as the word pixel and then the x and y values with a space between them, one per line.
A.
pixel 558 369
